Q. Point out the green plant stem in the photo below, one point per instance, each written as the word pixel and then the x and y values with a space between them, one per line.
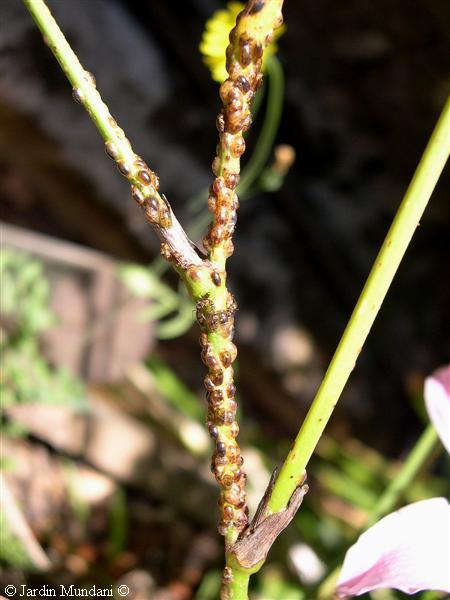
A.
pixel 76 74
pixel 144 183
pixel 417 458
pixel 238 589
pixel 385 266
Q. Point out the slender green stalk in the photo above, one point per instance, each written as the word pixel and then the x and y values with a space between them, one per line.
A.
pixel 412 466
pixel 417 458
pixel 176 246
pixel 392 251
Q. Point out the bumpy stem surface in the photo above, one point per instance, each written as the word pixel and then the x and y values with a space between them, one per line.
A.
pixel 205 279
pixel 144 182
pixel 215 312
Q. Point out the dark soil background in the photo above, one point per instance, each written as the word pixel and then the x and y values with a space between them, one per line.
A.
pixel 365 82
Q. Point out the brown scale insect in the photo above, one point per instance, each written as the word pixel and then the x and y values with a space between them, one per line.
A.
pixel 213 431
pixel 210 360
pixel 237 147
pixel 152 204
pixel 217 377
pixel 90 78
pixel 215 397
pixel 215 167
pixel 222 214
pixel 227 480
pixel 195 273
pixel 232 405
pixel 228 512
pixel 231 179
pixel 216 279
pixel 229 417
pixel 144 176
pixel 218 416
pixel 124 168
pixel 78 95
pixel 221 448
pixel 140 163
pixel 212 203
pixel 234 429
pixel 137 195
pixel 111 150
pixel 245 52
pixel 257 51
pixel 225 358
pixel 220 123
pixel 233 453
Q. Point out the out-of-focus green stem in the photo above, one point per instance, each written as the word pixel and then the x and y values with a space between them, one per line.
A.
pixel 272 117
pixel 415 462
pixel 380 277
pixel 409 471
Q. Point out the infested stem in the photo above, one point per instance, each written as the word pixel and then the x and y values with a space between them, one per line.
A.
pixel 144 182
pixel 215 312
pixel 253 32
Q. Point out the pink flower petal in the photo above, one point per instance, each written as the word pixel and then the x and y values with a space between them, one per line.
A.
pixel 408 550
pixel 437 401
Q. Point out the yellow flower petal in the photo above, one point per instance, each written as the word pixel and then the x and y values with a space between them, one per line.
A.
pixel 215 40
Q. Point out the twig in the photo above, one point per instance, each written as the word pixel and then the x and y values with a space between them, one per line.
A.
pixel 380 278
pixel 144 182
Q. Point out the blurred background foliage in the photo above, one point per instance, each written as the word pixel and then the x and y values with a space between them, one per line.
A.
pixel 26 375
pixel 104 448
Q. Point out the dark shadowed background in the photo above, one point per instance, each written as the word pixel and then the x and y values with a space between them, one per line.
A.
pixel 365 83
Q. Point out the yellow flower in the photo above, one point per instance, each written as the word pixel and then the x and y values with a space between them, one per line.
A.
pixel 215 40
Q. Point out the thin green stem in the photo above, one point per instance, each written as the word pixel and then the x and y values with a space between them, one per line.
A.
pixel 386 264
pixel 417 458
pixel 237 587
pixel 415 462
pixel 144 183
pixel 76 74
